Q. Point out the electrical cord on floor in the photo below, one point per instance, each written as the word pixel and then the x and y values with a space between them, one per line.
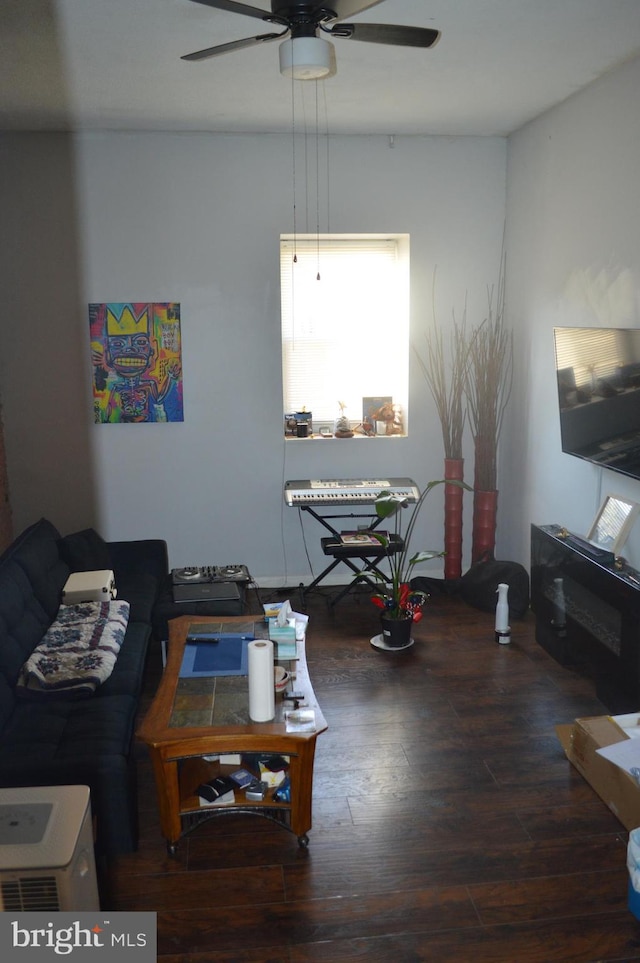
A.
pixel 304 542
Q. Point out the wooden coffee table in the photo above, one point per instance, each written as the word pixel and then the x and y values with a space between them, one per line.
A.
pixel 190 719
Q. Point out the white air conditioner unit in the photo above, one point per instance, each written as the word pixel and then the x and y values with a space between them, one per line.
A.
pixel 46 850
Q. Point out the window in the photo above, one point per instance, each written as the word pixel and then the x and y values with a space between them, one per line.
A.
pixel 345 323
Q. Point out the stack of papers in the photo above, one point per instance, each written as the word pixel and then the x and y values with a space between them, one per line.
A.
pixel 300 720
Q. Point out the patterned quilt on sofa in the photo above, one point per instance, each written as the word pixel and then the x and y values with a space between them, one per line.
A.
pixel 78 651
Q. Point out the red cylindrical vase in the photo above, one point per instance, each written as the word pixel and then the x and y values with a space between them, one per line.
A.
pixel 454 470
pixel 485 509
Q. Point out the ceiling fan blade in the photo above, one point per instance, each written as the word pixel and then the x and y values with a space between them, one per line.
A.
pixel 233 7
pixel 282 10
pixel 386 33
pixel 342 8
pixel 233 45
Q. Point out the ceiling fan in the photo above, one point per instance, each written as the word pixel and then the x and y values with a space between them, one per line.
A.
pixel 307 56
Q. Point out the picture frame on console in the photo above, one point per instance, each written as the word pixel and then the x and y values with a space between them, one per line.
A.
pixel 613 523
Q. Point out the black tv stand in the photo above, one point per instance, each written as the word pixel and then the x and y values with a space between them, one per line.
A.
pixel 587 613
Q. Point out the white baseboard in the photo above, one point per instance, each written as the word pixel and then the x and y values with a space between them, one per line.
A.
pixel 293 582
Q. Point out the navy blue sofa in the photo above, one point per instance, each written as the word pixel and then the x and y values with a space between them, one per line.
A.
pixel 58 739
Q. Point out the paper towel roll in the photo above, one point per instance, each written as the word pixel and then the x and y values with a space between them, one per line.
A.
pixel 261 681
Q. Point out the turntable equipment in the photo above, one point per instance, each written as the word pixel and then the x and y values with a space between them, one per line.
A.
pixel 232 573
pixel 197 574
pixel 191 574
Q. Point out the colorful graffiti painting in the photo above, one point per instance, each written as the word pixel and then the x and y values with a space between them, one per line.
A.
pixel 136 354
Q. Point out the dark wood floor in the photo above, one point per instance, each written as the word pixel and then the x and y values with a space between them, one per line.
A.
pixel 448 825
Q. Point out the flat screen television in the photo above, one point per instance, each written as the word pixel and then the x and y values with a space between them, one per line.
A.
pixel 598 375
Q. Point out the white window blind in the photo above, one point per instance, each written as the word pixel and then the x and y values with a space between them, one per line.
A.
pixel 345 323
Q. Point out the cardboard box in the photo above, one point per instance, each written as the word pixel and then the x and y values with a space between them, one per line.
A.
pixel 619 790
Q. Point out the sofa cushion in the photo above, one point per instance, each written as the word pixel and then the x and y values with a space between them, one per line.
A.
pixel 64 732
pixel 128 672
pixel 140 592
pixel 85 551
pixel 23 620
pixel 67 742
pixel 7 700
pixel 36 553
pixel 129 558
pixel 111 778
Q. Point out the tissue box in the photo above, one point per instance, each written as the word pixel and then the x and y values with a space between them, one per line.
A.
pixel 282 633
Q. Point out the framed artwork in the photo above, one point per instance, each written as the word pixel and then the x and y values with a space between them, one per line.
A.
pixel 376 409
pixel 612 525
pixel 136 355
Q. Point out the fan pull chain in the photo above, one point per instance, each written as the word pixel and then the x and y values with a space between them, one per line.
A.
pixel 293 164
pixel 317 186
pixel 326 135
pixel 305 133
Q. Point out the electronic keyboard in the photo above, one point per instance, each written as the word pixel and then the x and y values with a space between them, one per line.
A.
pixel 346 491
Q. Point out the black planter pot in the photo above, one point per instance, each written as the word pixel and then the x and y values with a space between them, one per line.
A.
pixel 396 633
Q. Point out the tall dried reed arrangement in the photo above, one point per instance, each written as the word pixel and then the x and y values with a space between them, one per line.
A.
pixel 448 388
pixel 488 386
pixel 446 378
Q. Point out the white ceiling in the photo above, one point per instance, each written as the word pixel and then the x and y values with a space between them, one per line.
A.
pixel 115 64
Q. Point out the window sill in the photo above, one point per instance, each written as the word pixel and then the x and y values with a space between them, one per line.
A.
pixel 355 437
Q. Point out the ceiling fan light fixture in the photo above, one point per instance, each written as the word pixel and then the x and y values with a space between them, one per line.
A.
pixel 306 58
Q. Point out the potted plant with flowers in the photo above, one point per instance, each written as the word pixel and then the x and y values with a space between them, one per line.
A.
pixel 400 604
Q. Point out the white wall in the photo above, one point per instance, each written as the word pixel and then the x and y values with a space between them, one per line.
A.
pixel 43 354
pixel 196 218
pixel 573 242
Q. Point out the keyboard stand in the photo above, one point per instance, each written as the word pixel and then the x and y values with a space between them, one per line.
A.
pixel 361 559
